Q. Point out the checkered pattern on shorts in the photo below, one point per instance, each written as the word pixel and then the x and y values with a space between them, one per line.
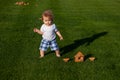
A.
pixel 45 44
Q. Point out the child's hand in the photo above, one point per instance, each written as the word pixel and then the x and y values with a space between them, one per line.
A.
pixel 35 29
pixel 61 38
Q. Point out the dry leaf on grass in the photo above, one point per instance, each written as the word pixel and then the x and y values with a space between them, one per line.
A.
pixel 21 3
pixel 66 59
pixel 91 58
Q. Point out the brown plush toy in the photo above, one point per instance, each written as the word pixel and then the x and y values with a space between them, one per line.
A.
pixel 79 57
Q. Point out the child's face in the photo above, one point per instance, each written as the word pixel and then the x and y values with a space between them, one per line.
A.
pixel 47 21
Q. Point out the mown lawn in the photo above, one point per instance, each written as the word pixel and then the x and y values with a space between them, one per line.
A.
pixel 89 26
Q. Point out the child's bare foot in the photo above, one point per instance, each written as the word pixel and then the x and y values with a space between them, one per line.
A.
pixel 41 56
pixel 58 55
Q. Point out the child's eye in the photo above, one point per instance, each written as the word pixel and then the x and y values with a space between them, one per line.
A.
pixel 47 20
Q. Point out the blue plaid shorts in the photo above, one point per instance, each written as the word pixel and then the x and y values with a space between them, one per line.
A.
pixel 45 44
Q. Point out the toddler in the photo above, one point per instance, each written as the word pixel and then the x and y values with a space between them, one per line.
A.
pixel 48 31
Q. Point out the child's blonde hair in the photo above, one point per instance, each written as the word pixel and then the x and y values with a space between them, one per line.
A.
pixel 48 13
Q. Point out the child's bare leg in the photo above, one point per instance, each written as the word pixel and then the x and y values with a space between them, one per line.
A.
pixel 57 52
pixel 42 53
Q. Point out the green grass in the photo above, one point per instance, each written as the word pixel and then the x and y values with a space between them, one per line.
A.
pixel 90 26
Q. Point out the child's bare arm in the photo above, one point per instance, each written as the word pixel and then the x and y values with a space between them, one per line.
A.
pixel 37 31
pixel 59 35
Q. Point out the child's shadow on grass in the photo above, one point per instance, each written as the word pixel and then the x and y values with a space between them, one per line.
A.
pixel 80 42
